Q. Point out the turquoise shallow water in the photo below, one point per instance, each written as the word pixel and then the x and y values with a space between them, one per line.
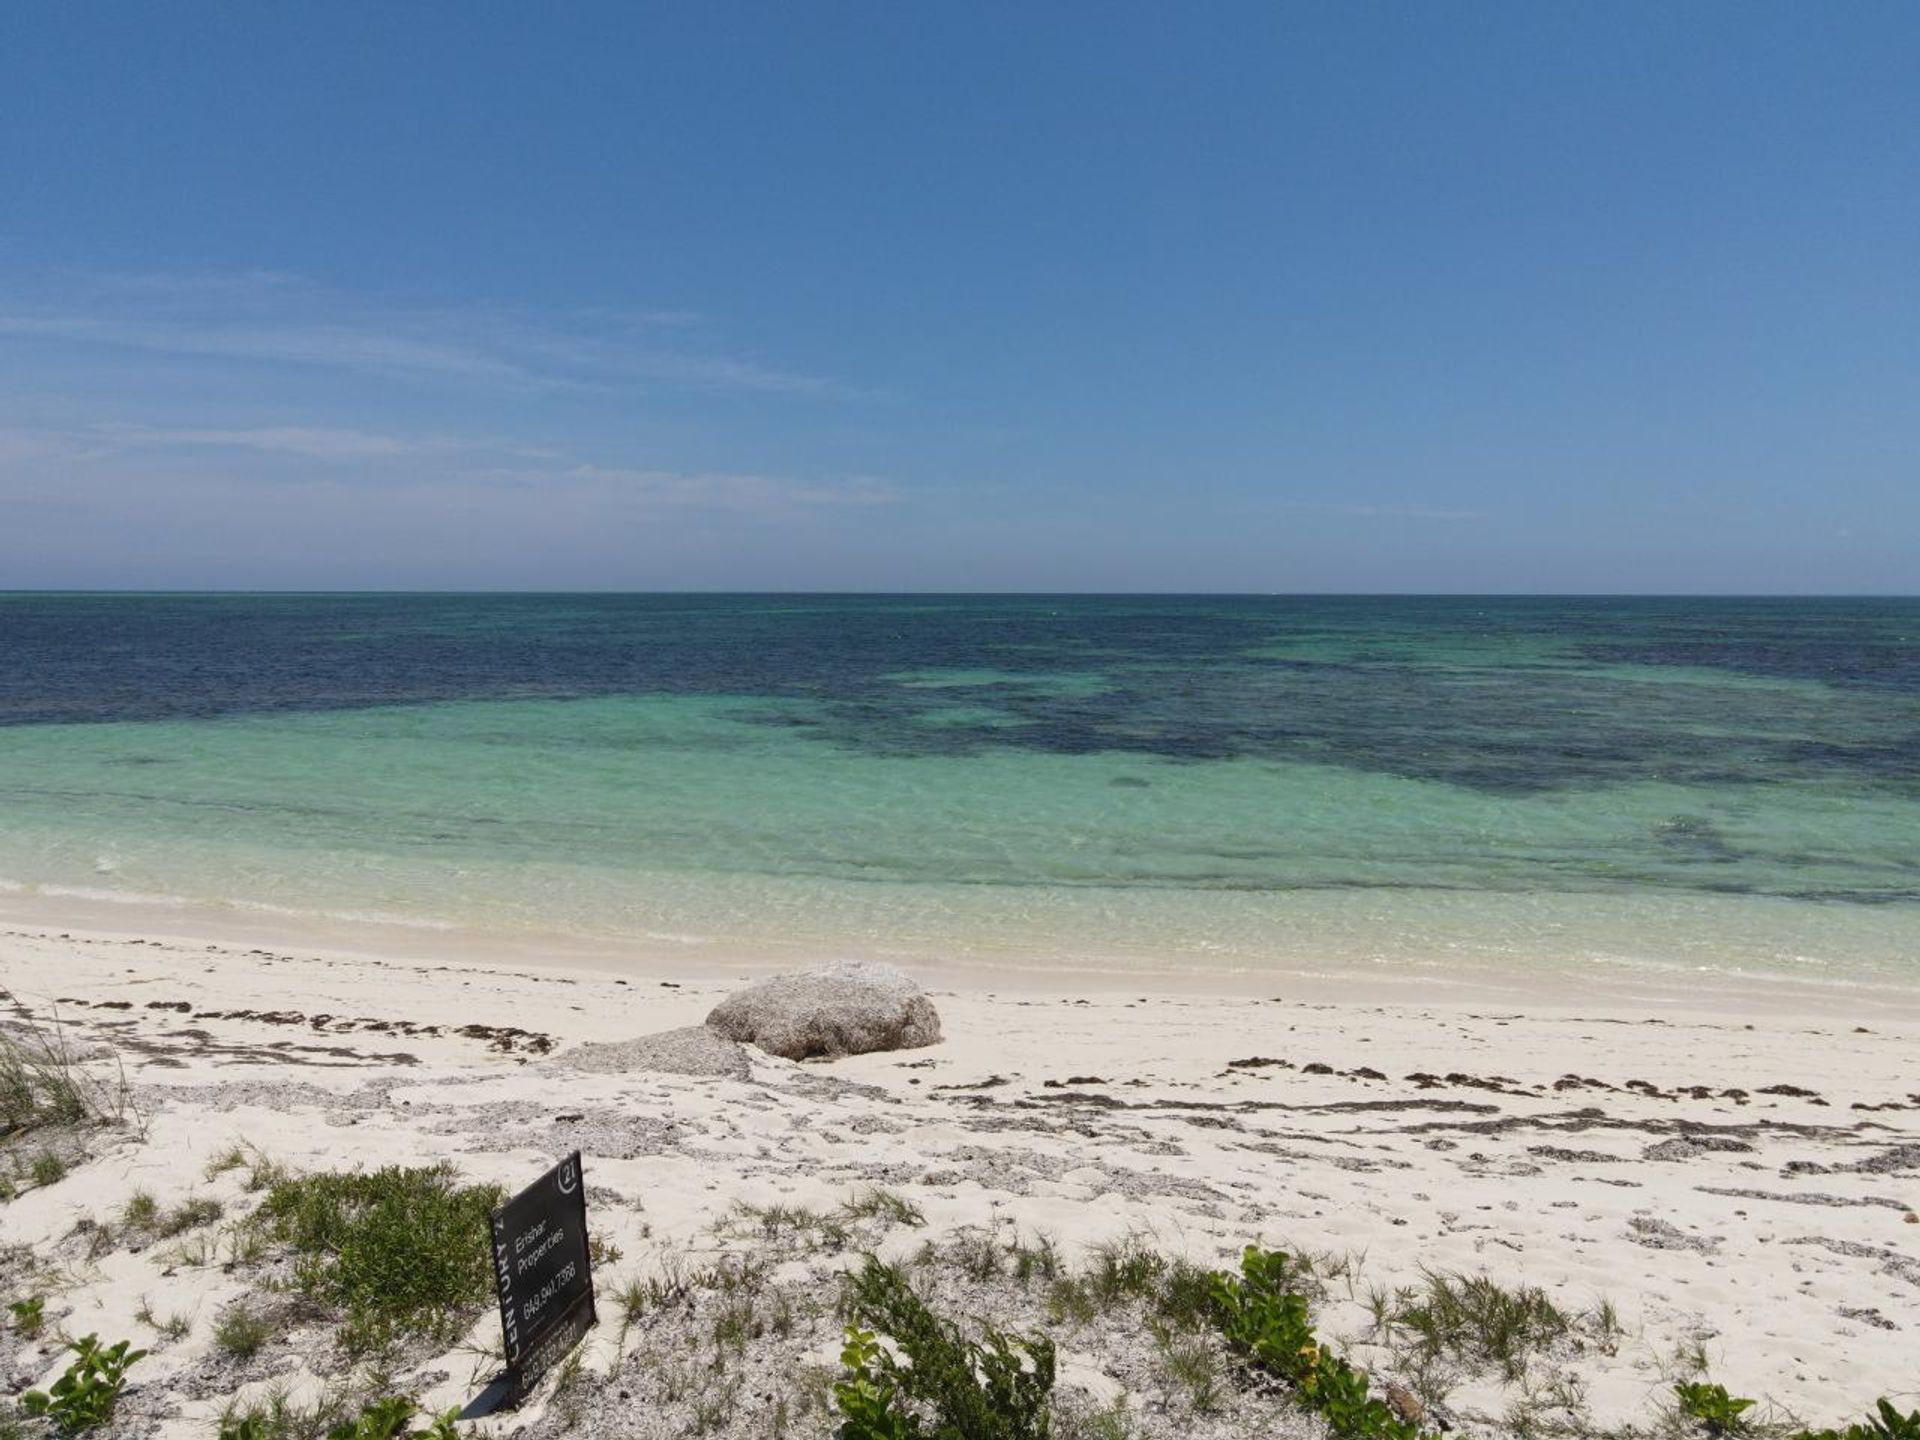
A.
pixel 1726 786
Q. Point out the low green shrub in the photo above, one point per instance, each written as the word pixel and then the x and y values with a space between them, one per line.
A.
pixel 402 1252
pixel 998 1389
pixel 85 1395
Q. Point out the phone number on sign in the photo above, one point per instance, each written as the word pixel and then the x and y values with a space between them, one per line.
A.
pixel 533 1304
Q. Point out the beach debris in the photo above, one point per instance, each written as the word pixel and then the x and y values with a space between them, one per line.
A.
pixel 845 1009
pixel 1866 1315
pixel 1404 1403
pixel 1586 1157
pixel 1686 1147
pixel 690 1050
pixel 1900 1157
pixel 1657 1234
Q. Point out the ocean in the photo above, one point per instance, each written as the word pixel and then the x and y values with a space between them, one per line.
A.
pixel 1417 786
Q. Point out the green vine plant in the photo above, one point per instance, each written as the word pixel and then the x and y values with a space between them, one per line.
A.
pixel 1718 1412
pixel 1269 1323
pixel 1721 1414
pixel 86 1394
pixel 997 1389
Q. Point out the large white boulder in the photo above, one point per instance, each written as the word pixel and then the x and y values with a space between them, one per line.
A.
pixel 844 1009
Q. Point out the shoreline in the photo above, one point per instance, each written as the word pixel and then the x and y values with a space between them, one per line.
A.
pixel 1676 990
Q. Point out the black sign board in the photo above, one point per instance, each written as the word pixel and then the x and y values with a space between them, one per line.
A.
pixel 541 1269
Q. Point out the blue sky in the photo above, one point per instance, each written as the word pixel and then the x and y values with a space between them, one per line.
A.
pixel 1246 297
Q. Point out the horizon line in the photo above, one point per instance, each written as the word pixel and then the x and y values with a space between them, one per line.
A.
pixel 131 592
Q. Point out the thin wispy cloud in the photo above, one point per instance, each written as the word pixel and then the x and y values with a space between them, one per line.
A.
pixel 1384 510
pixel 336 346
pixel 392 465
pixel 739 493
pixel 310 442
pixel 21 447
pixel 266 317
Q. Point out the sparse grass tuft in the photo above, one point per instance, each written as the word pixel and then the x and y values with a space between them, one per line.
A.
pixel 1125 1270
pixel 232 1158
pixel 1192 1366
pixel 43 1084
pixel 29 1315
pixel 737 1323
pixel 881 1204
pixel 276 1416
pixel 142 1213
pixel 976 1253
pixel 189 1215
pixel 1606 1320
pixel 631 1297
pixel 1109 1422
pixel 264 1173
pixel 793 1225
pixel 241 1330
pixel 171 1327
pixel 47 1168
pixel 1184 1298
pixel 1175 1292
pixel 1474 1320
pixel 1040 1260
pixel 1070 1302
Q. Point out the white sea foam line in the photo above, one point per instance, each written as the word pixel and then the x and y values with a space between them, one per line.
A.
pixel 100 895
pixel 358 917
pixel 113 897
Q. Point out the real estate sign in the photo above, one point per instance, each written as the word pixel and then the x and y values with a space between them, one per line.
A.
pixel 542 1271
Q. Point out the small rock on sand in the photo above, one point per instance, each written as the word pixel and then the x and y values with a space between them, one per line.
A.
pixel 693 1050
pixel 844 1009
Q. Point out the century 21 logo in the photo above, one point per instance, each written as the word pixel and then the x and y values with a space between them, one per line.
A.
pixel 569 1177
pixel 506 1286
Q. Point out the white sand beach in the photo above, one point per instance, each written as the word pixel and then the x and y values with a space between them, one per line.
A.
pixel 1739 1186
